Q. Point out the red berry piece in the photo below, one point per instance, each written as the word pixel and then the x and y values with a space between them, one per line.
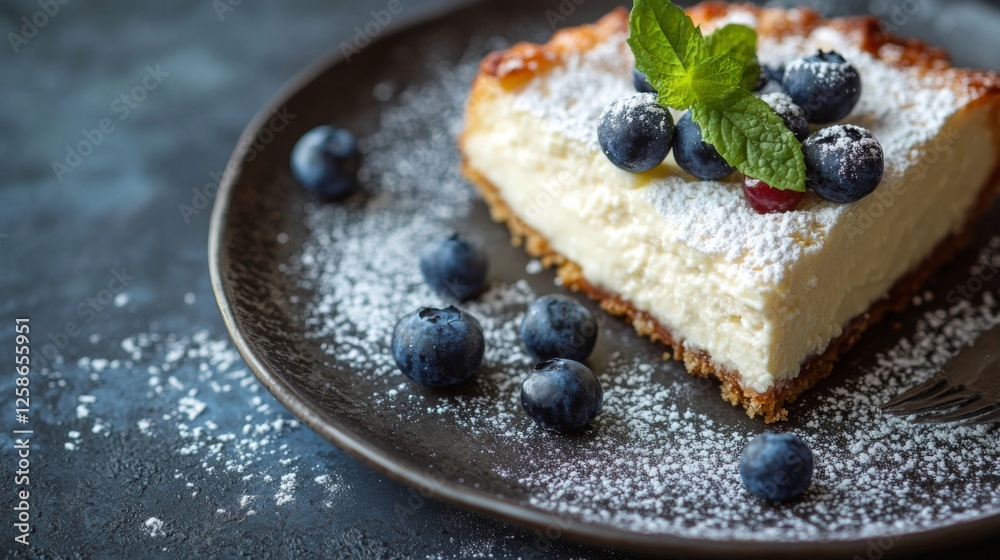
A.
pixel 767 200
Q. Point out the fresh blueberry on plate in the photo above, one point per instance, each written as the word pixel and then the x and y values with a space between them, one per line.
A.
pixel 562 395
pixel 326 160
pixel 557 326
pixel 793 115
pixel 696 156
pixel 826 86
pixel 636 132
pixel 438 347
pixel 454 267
pixel 776 466
pixel 844 163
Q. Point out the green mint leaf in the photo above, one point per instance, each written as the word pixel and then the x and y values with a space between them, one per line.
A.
pixel 675 91
pixel 739 42
pixel 753 138
pixel 667 48
pixel 680 32
pixel 715 77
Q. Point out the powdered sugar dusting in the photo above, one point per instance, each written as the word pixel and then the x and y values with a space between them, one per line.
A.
pixel 218 415
pixel 585 85
pixel 866 464
pixel 829 74
pixel 154 527
pixel 286 491
pixel 904 111
pixel 653 461
pixel 848 139
pixel 641 107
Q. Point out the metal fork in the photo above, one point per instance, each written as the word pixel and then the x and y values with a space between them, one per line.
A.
pixel 966 390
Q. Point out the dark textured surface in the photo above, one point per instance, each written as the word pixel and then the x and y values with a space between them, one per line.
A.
pixel 61 240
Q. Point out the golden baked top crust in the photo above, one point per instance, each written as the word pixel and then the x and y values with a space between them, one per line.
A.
pixel 524 61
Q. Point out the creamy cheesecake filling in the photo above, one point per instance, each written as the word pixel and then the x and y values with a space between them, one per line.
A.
pixel 601 218
pixel 759 294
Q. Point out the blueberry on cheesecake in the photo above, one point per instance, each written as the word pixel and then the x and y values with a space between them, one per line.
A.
pixel 758 254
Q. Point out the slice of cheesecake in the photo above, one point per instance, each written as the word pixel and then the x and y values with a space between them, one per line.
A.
pixel 765 303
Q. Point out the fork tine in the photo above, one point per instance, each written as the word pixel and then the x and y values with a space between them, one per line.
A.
pixel 986 418
pixel 968 412
pixel 931 386
pixel 928 388
pixel 972 399
pixel 947 399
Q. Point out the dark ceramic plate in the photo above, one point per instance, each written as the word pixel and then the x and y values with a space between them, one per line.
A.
pixel 261 228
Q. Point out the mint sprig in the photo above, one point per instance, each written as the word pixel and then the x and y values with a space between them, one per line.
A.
pixel 739 42
pixel 712 76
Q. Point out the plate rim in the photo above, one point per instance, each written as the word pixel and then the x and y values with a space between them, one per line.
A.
pixel 527 517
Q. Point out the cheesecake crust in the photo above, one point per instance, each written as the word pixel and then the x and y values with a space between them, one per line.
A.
pixel 508 70
pixel 513 67
pixel 771 404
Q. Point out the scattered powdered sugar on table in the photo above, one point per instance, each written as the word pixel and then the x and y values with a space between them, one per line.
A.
pixel 243 433
pixel 154 527
pixel 285 492
pixel 651 462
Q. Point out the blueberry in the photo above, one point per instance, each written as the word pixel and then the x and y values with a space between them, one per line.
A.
pixel 844 163
pixel 326 160
pixel 776 466
pixel 559 327
pixel 793 115
pixel 826 86
pixel 562 395
pixel 762 79
pixel 641 83
pixel 771 78
pixel 775 72
pixel 453 267
pixel 636 132
pixel 438 347
pixel 696 156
